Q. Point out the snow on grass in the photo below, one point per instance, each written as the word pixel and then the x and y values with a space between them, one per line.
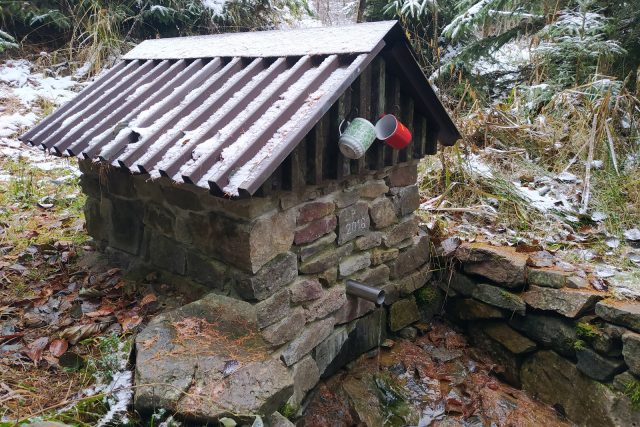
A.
pixel 17 79
pixel 22 90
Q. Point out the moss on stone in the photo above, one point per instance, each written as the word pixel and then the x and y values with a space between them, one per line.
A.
pixel 579 345
pixel 585 330
pixel 426 296
pixel 632 390
pixel 288 411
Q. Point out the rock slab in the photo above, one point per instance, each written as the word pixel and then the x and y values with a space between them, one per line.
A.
pixel 568 302
pixel 631 351
pixel 208 359
pixel 558 382
pixel 504 266
pixel 623 313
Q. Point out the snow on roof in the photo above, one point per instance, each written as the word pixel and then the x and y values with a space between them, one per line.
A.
pixel 223 112
pixel 358 38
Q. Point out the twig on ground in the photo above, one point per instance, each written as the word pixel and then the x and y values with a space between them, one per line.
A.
pixel 587 174
pixel 612 150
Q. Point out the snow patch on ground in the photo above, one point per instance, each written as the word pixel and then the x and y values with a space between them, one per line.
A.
pixel 21 89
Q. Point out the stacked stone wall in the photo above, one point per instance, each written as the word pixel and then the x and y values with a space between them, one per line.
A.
pixel 288 254
pixel 548 330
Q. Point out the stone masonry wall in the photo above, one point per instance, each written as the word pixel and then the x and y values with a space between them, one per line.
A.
pixel 548 330
pixel 289 254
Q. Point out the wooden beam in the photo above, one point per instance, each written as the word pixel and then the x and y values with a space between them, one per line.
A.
pixel 406 101
pixel 375 154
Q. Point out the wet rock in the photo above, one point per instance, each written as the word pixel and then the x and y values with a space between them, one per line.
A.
pixel 348 342
pixel 508 364
pixel 569 303
pixel 510 339
pixel 504 266
pixel 403 313
pixel 328 349
pixel 364 402
pixel 352 309
pixel 207 359
pixel 554 332
pixel 547 277
pixel 500 298
pixel 408 333
pixel 305 377
pixel 470 309
pixel 598 367
pixel 442 354
pixel 557 381
pixel 313 335
pixel 624 313
pixel 631 351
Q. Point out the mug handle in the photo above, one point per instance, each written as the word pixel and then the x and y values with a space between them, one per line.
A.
pixel 341 123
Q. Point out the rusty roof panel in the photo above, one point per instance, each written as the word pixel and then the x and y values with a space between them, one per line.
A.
pixel 224 123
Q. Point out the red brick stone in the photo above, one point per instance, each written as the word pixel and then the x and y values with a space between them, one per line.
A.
pixel 313 211
pixel 315 230
pixel 305 289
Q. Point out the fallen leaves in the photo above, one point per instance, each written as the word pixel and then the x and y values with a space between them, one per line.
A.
pixel 34 349
pixel 77 333
pixel 58 347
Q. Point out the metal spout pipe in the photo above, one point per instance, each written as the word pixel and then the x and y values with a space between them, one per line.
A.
pixel 364 291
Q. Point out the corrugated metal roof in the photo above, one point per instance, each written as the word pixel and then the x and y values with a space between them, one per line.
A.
pixel 224 122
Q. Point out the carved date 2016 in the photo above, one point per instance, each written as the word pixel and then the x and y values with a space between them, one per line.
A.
pixel 356 225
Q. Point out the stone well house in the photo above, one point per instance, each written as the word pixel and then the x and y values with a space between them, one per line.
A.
pixel 215 158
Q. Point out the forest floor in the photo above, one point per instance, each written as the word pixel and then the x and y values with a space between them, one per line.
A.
pixel 67 318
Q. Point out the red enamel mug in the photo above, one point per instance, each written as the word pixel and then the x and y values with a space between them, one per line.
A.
pixel 390 130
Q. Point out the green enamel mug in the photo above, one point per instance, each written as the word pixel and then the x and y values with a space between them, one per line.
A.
pixel 356 138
